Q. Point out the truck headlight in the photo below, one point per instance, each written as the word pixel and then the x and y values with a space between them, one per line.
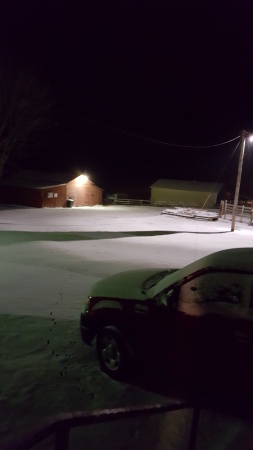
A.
pixel 86 305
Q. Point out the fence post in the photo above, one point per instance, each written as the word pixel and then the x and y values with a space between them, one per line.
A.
pixel 225 209
pixel 242 212
pixel 221 208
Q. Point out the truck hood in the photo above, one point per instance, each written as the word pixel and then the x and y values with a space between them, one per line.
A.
pixel 134 284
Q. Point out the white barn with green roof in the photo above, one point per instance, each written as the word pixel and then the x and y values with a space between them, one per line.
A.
pixel 185 193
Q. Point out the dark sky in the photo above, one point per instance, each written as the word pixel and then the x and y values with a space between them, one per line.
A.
pixel 175 71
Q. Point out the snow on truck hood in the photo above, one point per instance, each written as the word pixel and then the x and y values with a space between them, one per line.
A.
pixel 143 284
pixel 134 284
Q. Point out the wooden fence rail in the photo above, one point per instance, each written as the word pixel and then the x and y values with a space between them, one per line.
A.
pixel 173 204
pixel 242 211
pixel 130 201
pixel 141 202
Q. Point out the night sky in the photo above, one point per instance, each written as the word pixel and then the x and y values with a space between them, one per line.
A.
pixel 175 71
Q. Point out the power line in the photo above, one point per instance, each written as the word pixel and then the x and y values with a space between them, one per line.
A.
pixel 221 173
pixel 144 138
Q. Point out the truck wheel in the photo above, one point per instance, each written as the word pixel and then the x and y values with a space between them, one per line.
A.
pixel 114 353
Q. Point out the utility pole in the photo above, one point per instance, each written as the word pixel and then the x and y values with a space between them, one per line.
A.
pixel 238 181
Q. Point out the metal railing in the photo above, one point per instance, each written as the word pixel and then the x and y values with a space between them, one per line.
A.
pixel 61 425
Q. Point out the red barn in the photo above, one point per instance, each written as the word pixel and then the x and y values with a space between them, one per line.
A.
pixel 49 190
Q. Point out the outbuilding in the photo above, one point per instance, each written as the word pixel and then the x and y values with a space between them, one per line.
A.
pixel 49 190
pixel 185 193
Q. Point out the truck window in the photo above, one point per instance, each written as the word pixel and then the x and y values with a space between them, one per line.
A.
pixel 216 291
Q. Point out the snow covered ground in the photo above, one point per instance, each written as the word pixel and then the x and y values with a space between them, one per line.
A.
pixel 51 257
pixel 49 260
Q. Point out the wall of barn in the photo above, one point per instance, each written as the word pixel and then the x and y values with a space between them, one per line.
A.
pixel 84 193
pixel 54 197
pixel 11 195
pixel 50 197
pixel 196 198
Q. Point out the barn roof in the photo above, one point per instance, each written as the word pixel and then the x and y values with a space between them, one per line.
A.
pixel 38 180
pixel 187 185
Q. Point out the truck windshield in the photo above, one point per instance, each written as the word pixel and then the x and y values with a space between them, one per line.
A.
pixel 154 279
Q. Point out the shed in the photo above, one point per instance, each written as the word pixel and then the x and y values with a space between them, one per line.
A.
pixel 185 193
pixel 49 190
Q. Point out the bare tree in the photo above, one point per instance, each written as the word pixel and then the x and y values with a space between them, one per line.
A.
pixel 26 107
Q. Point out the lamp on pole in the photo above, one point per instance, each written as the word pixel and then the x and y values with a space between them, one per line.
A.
pixel 238 180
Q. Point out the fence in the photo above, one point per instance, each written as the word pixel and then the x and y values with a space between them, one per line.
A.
pixel 171 204
pixel 141 202
pixel 242 211
pixel 128 201
pixel 61 425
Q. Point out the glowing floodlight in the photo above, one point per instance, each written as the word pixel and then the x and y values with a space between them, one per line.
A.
pixel 81 180
pixel 251 138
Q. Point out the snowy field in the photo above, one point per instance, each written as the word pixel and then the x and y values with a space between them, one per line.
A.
pixel 49 260
pixel 51 257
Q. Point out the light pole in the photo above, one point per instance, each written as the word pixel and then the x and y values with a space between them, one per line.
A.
pixel 238 181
